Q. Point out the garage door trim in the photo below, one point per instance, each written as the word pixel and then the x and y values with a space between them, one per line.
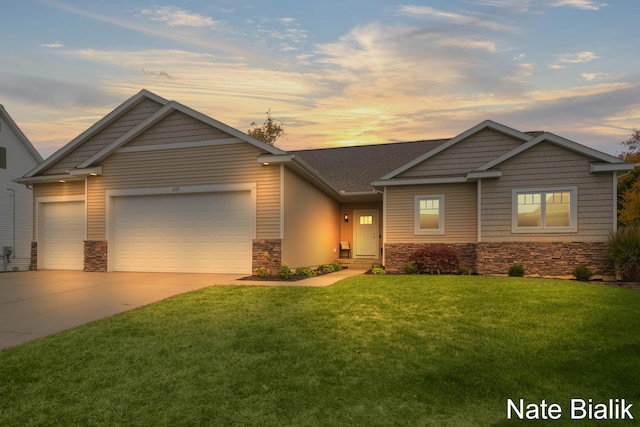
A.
pixel 111 195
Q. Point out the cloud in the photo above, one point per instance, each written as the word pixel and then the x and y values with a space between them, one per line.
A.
pixel 488 22
pixel 174 16
pixel 593 76
pixel 52 45
pixel 576 58
pixel 580 4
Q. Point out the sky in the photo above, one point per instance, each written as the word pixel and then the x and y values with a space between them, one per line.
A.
pixel 337 73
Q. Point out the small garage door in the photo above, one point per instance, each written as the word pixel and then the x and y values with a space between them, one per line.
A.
pixel 61 236
pixel 189 233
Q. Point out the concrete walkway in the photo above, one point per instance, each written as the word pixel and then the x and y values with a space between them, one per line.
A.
pixel 34 304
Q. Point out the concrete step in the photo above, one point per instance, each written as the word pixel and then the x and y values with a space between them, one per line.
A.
pixel 359 263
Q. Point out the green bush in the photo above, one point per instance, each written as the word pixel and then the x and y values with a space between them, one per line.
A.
pixel 305 272
pixel 463 271
pixel 516 271
pixel 262 272
pixel 583 274
pixel 285 272
pixel 410 268
pixel 623 253
pixel 336 266
pixel 378 270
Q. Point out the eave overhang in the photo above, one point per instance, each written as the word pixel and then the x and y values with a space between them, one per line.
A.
pixel 71 175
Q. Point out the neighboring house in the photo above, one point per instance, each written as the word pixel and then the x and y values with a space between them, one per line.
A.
pixel 157 186
pixel 17 156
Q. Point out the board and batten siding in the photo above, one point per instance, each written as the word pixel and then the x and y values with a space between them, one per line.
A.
pixel 311 224
pixel 459 206
pixel 233 163
pixel 465 156
pixel 104 137
pixel 548 166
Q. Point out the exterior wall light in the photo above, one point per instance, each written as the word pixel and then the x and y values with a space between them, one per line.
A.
pixel 346 217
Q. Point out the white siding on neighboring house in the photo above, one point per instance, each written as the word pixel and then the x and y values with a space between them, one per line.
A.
pixel 16 206
pixel 542 166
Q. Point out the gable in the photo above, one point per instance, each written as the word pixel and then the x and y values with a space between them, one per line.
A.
pixel 176 128
pixel 465 156
pixel 141 111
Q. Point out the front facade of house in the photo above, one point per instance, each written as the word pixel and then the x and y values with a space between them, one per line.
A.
pixel 17 156
pixel 156 186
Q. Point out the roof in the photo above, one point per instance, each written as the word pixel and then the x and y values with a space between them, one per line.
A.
pixel 353 169
pixel 21 136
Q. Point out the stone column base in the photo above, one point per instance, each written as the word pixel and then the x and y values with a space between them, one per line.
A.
pixel 95 255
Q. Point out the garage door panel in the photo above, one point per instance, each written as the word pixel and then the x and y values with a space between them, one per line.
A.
pixel 61 238
pixel 209 232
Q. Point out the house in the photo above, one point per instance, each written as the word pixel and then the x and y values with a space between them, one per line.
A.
pixel 157 186
pixel 17 156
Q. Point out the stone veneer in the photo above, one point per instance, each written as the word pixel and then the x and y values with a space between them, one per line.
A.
pixel 540 258
pixel 95 255
pixel 34 256
pixel 267 254
pixel 397 254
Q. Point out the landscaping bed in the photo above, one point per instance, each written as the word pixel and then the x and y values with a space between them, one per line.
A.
pixel 287 274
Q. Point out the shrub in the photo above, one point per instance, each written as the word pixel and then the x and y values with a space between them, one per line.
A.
pixel 336 266
pixel 435 259
pixel 322 269
pixel 285 272
pixel 410 268
pixel 516 271
pixel 463 271
pixel 378 270
pixel 582 273
pixel 623 253
pixel 262 272
pixel 305 271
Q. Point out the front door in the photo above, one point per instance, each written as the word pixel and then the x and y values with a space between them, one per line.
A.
pixel 366 233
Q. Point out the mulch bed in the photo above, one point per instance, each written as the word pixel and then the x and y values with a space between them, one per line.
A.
pixel 293 278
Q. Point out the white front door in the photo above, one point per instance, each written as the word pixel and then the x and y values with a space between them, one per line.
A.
pixel 61 235
pixel 366 234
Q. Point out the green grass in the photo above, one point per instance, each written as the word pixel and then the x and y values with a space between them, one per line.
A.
pixel 384 350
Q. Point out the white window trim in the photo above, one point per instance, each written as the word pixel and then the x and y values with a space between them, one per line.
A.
pixel 573 213
pixel 416 210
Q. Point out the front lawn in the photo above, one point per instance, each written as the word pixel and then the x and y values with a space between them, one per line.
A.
pixel 370 350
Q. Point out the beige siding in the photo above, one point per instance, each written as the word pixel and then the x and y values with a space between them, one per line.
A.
pixel 58 189
pixel 119 127
pixel 547 165
pixel 459 206
pixel 178 127
pixel 225 164
pixel 465 156
pixel 312 224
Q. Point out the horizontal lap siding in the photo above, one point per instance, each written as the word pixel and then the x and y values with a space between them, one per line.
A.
pixel 465 156
pixel 547 165
pixel 460 213
pixel 225 164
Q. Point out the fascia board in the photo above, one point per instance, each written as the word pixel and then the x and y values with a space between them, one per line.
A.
pixel 486 124
pixel 49 178
pixel 612 167
pixel 419 181
pixel 101 124
pixel 484 174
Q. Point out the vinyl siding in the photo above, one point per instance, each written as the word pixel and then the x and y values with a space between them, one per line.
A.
pixel 175 128
pixel 547 165
pixel 19 161
pixel 459 207
pixel 119 127
pixel 223 164
pixel 312 224
pixel 465 156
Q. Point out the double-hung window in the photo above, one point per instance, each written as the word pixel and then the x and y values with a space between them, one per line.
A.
pixel 544 210
pixel 429 214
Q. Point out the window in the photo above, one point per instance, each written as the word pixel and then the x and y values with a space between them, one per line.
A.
pixel 366 219
pixel 545 210
pixel 3 158
pixel 429 214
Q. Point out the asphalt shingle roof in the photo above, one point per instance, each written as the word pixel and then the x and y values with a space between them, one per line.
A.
pixel 353 169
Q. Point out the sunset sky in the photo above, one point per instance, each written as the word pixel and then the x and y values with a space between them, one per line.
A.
pixel 336 72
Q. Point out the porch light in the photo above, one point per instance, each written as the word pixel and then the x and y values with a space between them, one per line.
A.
pixel 346 217
pixel 61 181
pixel 265 163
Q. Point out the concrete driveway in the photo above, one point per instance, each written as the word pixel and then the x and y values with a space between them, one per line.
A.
pixel 34 304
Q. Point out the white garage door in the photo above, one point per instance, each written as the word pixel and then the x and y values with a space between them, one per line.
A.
pixel 61 236
pixel 189 233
